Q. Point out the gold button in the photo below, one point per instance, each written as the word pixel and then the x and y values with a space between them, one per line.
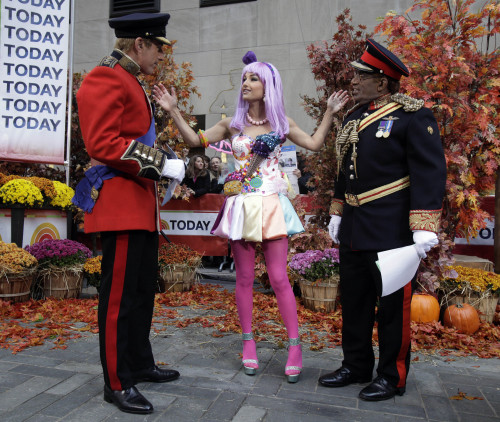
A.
pixel 351 167
pixel 351 177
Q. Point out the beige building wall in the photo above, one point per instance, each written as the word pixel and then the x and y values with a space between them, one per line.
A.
pixel 214 39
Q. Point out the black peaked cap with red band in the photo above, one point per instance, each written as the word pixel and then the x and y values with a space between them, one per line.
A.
pixel 378 59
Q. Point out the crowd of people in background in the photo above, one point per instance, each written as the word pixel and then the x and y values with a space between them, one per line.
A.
pixel 203 174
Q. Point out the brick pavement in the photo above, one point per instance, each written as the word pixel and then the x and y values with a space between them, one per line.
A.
pixel 40 384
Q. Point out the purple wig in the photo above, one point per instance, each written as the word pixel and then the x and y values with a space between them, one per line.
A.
pixel 273 91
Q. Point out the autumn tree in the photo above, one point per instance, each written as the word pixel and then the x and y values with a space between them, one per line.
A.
pixel 455 66
pixel 180 77
pixel 330 66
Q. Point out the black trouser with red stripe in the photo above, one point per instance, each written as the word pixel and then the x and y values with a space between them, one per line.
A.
pixel 360 288
pixel 126 301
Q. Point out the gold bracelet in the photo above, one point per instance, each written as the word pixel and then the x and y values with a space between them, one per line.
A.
pixel 203 138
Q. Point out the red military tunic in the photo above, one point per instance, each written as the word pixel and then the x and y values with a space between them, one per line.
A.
pixel 114 111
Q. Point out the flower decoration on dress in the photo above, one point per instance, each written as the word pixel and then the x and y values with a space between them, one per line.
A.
pixel 250 174
pixel 261 149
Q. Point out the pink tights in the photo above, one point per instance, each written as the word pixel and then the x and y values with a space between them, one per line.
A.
pixel 275 253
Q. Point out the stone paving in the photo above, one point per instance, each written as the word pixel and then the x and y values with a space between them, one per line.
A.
pixel 40 384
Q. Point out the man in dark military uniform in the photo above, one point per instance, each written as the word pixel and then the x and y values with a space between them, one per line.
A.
pixel 118 195
pixel 388 194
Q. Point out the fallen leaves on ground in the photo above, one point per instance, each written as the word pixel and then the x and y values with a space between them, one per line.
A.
pixel 31 323
pixel 461 395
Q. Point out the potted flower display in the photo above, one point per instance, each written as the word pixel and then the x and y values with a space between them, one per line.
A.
pixel 60 266
pixel 17 269
pixel 34 192
pixel 474 286
pixel 37 197
pixel 177 265
pixel 92 271
pixel 318 275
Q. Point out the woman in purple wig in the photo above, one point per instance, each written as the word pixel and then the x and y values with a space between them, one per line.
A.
pixel 257 208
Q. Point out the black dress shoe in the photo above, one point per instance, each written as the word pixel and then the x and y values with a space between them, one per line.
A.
pixel 156 374
pixel 342 377
pixel 380 389
pixel 129 400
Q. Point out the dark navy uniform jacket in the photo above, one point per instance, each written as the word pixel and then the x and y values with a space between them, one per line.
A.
pixel 412 148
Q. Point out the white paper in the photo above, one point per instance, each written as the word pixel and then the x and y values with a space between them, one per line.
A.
pixel 397 267
pixel 288 163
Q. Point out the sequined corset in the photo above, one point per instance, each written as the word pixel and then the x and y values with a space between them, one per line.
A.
pixel 268 179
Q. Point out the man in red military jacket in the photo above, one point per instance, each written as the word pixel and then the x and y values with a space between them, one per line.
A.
pixel 118 195
pixel 388 194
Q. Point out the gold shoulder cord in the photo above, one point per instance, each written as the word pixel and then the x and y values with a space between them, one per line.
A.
pixel 348 135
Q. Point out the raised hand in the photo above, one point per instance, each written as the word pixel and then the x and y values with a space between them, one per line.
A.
pixel 167 101
pixel 337 100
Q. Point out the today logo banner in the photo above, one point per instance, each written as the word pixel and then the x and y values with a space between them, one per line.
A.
pixel 34 44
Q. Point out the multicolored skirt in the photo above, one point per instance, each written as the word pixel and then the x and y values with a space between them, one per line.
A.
pixel 255 218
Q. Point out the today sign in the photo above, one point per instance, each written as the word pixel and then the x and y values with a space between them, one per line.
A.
pixel 34 47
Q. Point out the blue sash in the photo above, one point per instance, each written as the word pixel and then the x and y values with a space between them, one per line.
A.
pixel 88 188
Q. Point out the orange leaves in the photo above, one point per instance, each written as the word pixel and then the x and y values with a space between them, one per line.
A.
pixel 31 323
pixel 432 337
pixel 461 396
pixel 212 308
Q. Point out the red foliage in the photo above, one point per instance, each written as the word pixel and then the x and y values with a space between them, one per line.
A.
pixel 330 65
pixel 455 68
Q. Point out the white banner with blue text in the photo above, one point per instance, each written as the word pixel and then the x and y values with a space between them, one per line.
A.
pixel 34 44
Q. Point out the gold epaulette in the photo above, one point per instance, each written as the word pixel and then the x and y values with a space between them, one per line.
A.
pixel 409 104
pixel 108 61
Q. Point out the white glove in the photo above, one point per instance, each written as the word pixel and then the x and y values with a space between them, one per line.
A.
pixel 424 241
pixel 333 227
pixel 173 169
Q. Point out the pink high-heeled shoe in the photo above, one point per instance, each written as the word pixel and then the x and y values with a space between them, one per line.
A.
pixel 294 363
pixel 250 365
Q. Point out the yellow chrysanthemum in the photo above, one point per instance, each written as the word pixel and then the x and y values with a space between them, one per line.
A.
pixel 93 265
pixel 22 192
pixel 474 279
pixel 64 195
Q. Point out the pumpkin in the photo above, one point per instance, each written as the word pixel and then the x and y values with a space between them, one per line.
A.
pixel 424 308
pixel 463 317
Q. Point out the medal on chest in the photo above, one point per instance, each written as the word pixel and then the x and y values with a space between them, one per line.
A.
pixel 384 128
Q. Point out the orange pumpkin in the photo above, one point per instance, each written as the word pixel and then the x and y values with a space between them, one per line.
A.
pixel 463 317
pixel 424 308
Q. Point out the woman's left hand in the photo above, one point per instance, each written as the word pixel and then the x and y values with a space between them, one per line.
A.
pixel 337 100
pixel 167 101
